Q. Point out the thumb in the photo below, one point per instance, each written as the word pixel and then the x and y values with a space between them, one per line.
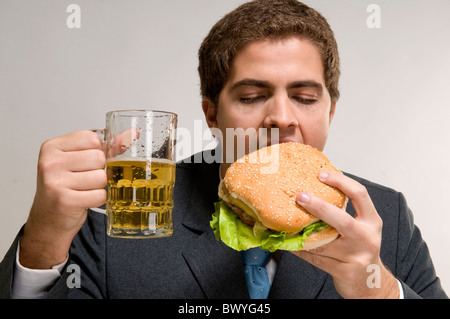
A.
pixel 122 141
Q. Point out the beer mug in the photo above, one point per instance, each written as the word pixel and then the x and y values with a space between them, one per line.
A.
pixel 140 166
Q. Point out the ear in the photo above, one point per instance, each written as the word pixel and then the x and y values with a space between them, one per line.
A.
pixel 210 111
pixel 332 111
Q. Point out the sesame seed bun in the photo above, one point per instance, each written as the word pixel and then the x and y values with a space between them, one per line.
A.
pixel 269 198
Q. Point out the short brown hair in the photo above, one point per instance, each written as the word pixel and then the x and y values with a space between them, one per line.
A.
pixel 258 20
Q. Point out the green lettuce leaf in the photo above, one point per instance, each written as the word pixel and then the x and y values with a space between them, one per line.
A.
pixel 240 236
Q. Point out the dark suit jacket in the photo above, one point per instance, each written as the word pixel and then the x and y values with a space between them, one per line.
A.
pixel 193 264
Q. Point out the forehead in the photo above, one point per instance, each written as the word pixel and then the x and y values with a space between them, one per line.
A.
pixel 293 56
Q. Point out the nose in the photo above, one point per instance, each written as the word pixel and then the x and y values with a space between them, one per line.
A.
pixel 280 113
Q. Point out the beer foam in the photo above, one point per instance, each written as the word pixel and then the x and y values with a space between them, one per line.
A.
pixel 140 159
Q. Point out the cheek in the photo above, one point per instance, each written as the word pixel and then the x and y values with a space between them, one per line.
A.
pixel 315 132
pixel 235 118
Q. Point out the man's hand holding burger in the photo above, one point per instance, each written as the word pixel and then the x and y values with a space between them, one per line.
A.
pixel 301 207
pixel 347 258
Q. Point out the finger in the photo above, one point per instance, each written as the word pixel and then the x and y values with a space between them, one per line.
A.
pixel 356 192
pixel 90 180
pixel 332 215
pixel 88 198
pixel 343 249
pixel 76 141
pixel 326 263
pixel 87 160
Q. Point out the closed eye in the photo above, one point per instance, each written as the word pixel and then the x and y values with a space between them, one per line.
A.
pixel 250 100
pixel 304 101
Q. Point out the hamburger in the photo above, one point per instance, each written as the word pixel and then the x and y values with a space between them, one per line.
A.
pixel 259 209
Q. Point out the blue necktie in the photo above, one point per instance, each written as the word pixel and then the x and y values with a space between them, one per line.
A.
pixel 255 272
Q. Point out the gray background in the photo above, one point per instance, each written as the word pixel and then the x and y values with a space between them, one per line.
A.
pixel 390 126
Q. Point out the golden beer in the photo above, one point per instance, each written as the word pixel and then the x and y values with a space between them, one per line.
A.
pixel 140 197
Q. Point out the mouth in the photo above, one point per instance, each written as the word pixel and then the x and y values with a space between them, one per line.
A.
pixel 286 140
pixel 280 141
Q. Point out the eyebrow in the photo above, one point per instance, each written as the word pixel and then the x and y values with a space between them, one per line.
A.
pixel 265 84
pixel 250 82
pixel 307 83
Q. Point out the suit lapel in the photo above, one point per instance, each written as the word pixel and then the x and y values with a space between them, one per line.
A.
pixel 202 187
pixel 296 279
pixel 217 268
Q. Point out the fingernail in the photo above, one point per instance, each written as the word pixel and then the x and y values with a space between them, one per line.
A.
pixel 323 176
pixel 303 198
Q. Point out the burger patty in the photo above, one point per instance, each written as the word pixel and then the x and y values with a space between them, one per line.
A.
pixel 246 218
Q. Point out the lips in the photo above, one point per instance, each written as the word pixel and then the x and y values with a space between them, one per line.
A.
pixel 286 140
pixel 280 141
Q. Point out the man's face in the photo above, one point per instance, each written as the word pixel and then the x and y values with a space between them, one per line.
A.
pixel 276 84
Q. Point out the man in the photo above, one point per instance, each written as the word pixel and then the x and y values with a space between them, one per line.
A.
pixel 267 64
